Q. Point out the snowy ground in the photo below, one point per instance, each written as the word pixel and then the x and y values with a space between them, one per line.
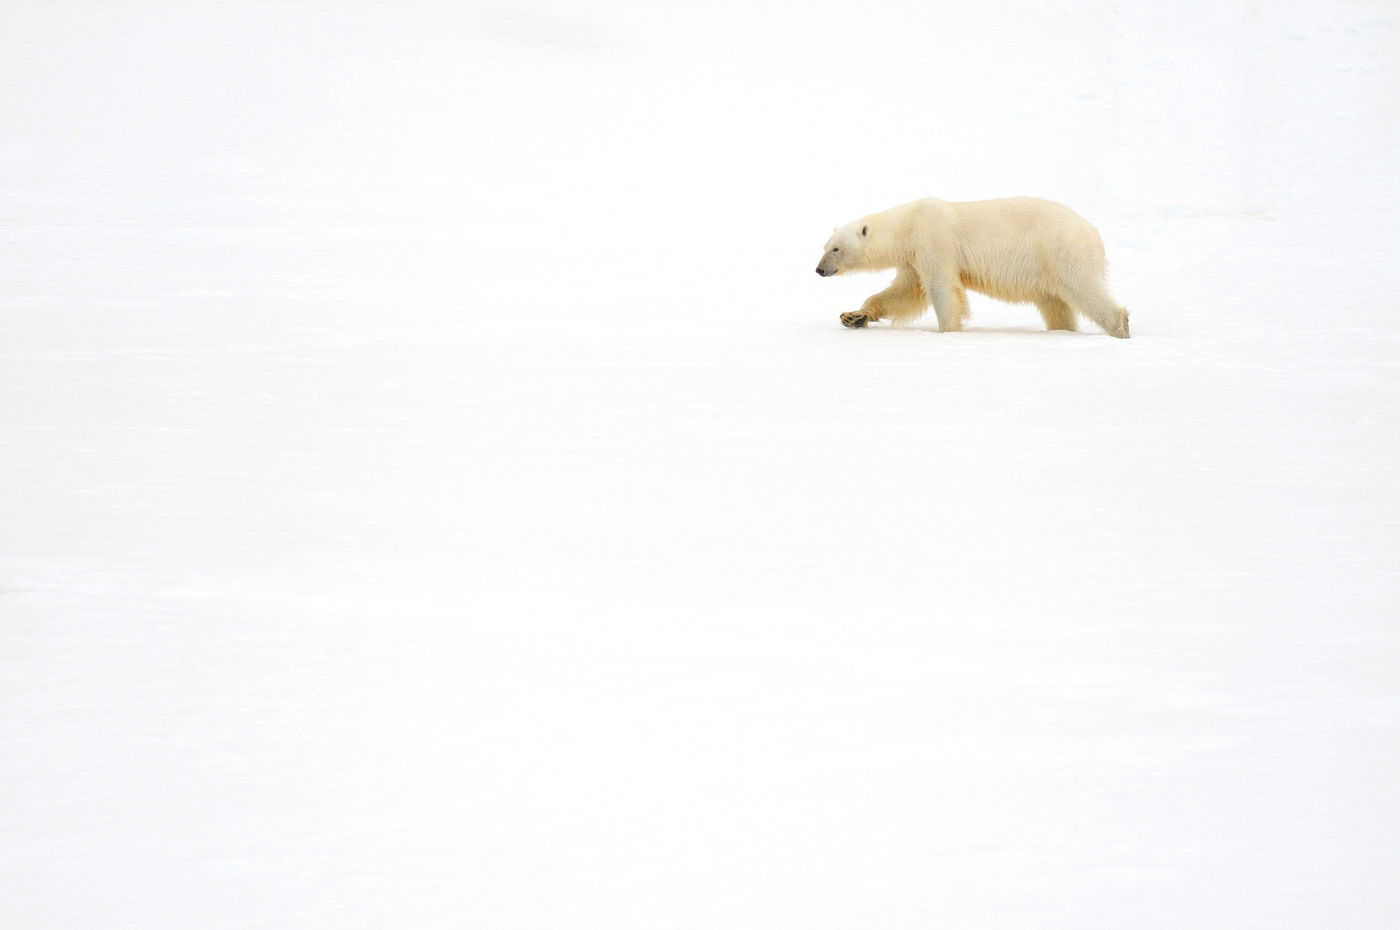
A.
pixel 436 491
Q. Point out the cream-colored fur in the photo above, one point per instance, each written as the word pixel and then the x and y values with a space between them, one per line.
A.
pixel 1019 249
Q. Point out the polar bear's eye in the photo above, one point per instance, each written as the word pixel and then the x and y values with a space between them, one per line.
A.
pixel 835 248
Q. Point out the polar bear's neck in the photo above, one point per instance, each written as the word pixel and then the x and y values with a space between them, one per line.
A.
pixel 887 245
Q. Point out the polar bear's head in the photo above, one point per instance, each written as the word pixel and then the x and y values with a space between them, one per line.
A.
pixel 845 249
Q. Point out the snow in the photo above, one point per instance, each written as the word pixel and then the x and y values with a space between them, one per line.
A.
pixel 437 492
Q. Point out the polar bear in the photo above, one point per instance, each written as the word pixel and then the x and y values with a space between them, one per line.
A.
pixel 1017 249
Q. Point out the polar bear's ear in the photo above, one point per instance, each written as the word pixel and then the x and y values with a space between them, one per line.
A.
pixel 863 231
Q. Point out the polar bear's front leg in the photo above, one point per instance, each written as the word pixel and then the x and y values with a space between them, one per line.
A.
pixel 903 300
pixel 950 305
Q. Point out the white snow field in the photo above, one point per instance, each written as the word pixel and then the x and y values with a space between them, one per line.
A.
pixel 436 491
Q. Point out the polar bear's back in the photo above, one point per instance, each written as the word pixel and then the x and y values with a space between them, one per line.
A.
pixel 1016 248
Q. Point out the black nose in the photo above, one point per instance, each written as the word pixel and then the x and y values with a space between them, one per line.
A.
pixel 822 273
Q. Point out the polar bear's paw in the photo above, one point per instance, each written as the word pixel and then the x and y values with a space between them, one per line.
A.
pixel 856 319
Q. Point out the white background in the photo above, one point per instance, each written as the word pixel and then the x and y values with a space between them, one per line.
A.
pixel 435 491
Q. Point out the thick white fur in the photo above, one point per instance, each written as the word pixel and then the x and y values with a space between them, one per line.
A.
pixel 1018 249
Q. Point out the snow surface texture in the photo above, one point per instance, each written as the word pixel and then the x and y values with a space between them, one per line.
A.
pixel 437 492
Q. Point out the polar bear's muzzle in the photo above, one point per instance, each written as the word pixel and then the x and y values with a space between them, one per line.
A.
pixel 824 272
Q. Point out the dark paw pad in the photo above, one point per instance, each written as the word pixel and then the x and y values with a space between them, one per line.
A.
pixel 854 320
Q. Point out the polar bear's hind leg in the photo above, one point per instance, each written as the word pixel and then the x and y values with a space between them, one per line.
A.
pixel 1098 305
pixel 1057 314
